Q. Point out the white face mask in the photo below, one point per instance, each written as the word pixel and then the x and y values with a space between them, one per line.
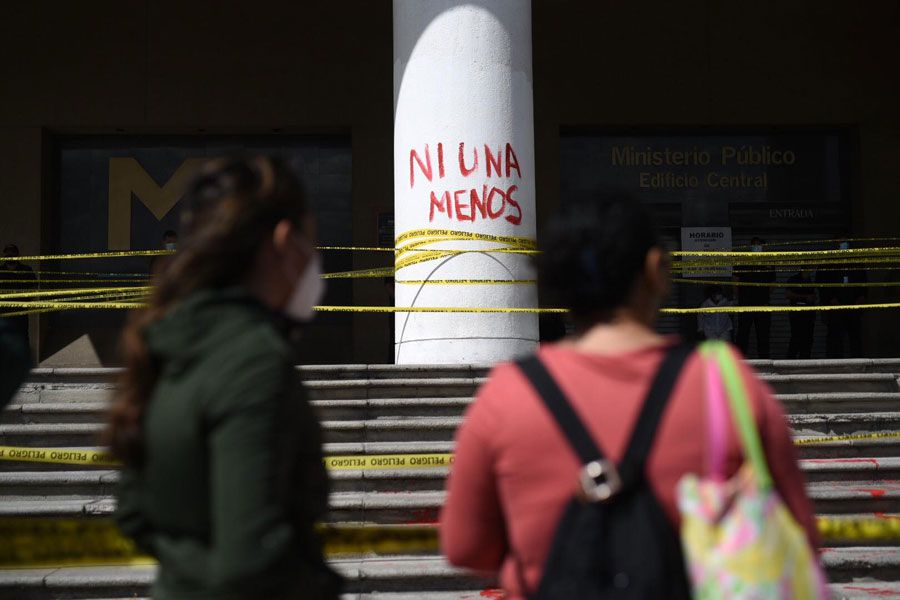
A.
pixel 171 245
pixel 756 248
pixel 308 292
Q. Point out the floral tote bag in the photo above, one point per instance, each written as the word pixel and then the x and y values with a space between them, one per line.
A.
pixel 740 540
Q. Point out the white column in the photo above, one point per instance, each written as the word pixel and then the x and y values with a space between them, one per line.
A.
pixel 463 162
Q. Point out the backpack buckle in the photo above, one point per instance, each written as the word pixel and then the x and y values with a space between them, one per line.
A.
pixel 594 488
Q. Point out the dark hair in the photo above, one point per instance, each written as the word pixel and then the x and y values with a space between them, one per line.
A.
pixel 592 254
pixel 757 240
pixel 11 250
pixel 232 206
pixel 169 233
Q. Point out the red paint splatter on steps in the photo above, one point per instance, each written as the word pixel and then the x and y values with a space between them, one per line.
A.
pixel 423 516
pixel 873 492
pixel 886 516
pixel 884 593
pixel 493 594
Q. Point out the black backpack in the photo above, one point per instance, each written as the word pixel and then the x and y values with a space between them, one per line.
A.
pixel 613 541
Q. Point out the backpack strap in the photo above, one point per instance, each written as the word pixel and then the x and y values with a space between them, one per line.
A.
pixel 631 468
pixel 555 401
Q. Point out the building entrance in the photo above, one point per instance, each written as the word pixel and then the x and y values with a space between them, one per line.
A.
pixel 720 190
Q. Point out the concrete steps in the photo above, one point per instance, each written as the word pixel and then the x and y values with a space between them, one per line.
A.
pixel 443 387
pixel 387 409
pixel 849 450
pixel 851 591
pixel 399 429
pixel 101 481
pixel 377 408
pixel 362 371
pixel 400 578
pixel 406 507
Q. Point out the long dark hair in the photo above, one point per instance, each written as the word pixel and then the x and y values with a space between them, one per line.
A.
pixel 232 206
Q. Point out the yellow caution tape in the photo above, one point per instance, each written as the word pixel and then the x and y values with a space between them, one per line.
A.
pixel 382 272
pixel 745 248
pixel 106 297
pixel 787 269
pixel 830 439
pixel 784 284
pixel 883 529
pixel 45 282
pixel 41 272
pixel 852 253
pixel 72 305
pixel 676 311
pixel 435 309
pixel 513 244
pixel 379 539
pixel 361 273
pixel 59 456
pixel 356 462
pixel 65 305
pixel 416 240
pixel 365 462
pixel 807 265
pixel 467 281
pixel 101 458
pixel 458 235
pixel 73 291
pixel 63 542
pixel 123 254
pixel 357 248
pixel 757 309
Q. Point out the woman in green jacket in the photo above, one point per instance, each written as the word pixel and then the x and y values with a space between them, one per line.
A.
pixel 223 479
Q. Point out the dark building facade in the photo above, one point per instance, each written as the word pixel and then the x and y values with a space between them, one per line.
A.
pixel 774 119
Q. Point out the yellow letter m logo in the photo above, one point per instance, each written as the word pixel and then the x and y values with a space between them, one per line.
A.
pixel 126 178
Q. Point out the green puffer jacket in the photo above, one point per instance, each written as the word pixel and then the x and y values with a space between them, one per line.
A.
pixel 233 481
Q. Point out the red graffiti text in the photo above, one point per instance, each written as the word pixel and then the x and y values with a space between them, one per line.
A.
pixel 488 201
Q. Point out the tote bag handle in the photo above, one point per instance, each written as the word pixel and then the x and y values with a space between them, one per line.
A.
pixel 735 391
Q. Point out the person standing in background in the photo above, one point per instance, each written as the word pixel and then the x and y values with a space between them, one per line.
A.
pixel 715 326
pixel 16 277
pixel 756 294
pixel 843 325
pixel 170 243
pixel 803 323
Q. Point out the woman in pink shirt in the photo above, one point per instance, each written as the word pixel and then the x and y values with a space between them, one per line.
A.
pixel 514 471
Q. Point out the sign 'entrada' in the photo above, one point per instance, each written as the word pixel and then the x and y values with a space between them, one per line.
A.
pixel 491 197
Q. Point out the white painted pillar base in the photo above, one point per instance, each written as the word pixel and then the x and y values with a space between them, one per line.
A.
pixel 463 90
